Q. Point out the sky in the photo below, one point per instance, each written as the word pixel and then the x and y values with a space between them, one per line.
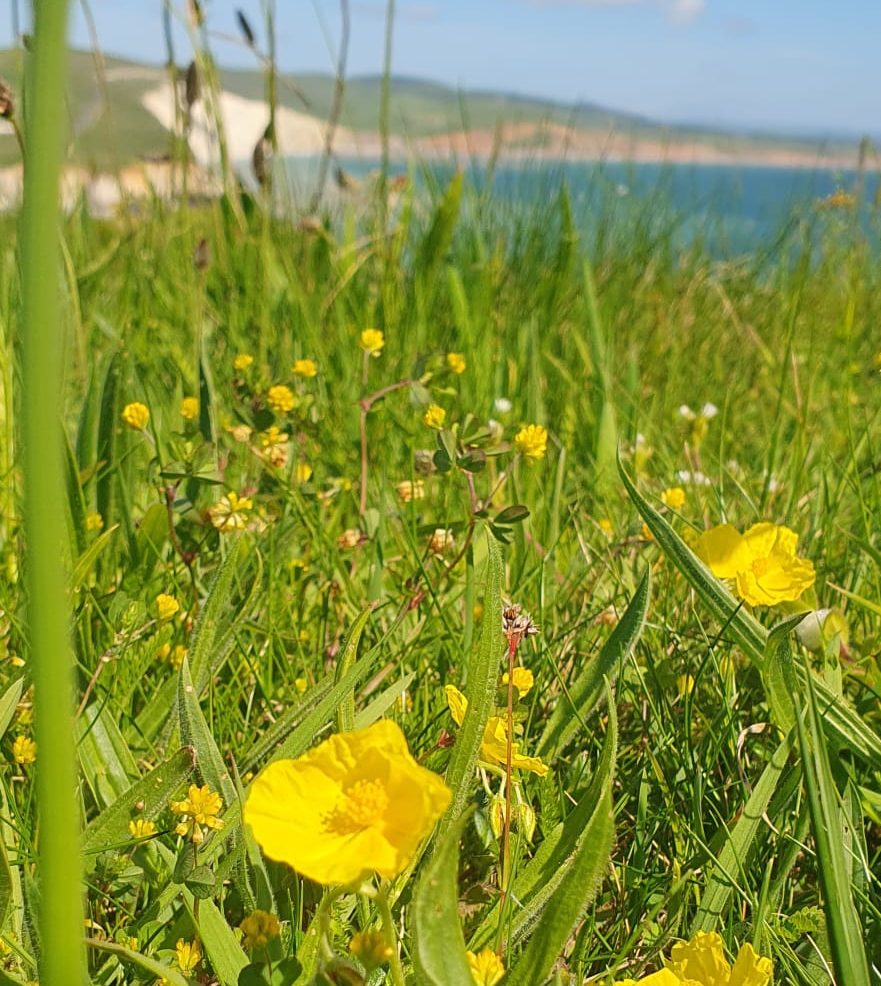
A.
pixel 784 66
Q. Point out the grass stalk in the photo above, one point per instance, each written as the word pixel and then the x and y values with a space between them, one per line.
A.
pixel 61 914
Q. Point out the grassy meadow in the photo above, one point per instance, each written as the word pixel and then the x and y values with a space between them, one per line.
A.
pixel 278 527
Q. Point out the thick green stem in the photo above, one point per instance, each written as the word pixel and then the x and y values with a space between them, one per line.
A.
pixel 388 926
pixel 62 959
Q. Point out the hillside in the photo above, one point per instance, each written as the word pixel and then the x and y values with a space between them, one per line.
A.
pixel 123 114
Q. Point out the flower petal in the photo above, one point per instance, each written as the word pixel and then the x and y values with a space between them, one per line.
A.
pixel 723 551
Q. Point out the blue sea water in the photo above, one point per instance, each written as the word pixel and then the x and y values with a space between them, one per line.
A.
pixel 728 210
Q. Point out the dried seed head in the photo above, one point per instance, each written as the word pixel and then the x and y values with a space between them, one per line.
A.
pixel 246 29
pixel 7 101
pixel 516 624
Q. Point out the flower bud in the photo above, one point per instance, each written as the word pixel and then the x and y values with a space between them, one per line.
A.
pixel 823 631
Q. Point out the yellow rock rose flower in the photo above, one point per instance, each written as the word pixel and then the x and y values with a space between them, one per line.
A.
pixel 761 562
pixel 372 341
pixel 356 804
pixel 486 967
pixel 136 415
pixel 494 746
pixel 702 962
pixel 522 679
pixel 532 442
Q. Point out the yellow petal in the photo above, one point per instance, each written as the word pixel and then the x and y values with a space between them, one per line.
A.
pixel 750 969
pixel 764 539
pixel 663 978
pixel 702 958
pixel 722 550
pixel 457 703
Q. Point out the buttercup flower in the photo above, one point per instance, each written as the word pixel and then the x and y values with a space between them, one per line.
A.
pixel 762 562
pixel 281 398
pixel 136 415
pixel 188 955
pixel 189 408
pixel 242 361
pixel 532 441
pixel 702 962
pixel 259 929
pixel 411 490
pixel 305 368
pixel 230 512
pixel 140 828
pixel 166 606
pixel 522 679
pixel 356 804
pixel 486 967
pixel 372 948
pixel 494 747
pixel 456 362
pixel 24 750
pixel 674 498
pixel 434 416
pixel 94 522
pixel 372 341
pixel 198 810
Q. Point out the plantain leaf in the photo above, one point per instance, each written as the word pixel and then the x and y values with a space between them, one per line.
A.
pixel 439 946
pixel 483 674
pixel 221 945
pixel 585 692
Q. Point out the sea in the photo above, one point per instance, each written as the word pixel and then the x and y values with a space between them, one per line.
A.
pixel 727 210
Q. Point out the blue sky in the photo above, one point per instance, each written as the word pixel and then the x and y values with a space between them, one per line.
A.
pixel 781 65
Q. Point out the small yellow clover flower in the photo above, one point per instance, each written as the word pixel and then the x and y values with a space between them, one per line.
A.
pixel 372 341
pixel 281 398
pixel 674 498
pixel 94 521
pixel 136 415
pixel 166 606
pixel 188 955
pixel 456 362
pixel 230 512
pixel 141 828
pixel 305 368
pixel 24 750
pixel 242 361
pixel 259 928
pixel 356 804
pixel 487 969
pixel 532 442
pixel 761 562
pixel 189 408
pixel 198 811
pixel 372 948
pixel 702 962
pixel 494 746
pixel 434 416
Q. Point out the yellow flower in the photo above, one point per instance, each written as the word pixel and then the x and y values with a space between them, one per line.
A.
pixel 456 362
pixel 372 341
pixel 242 361
pixel 230 512
pixel 281 398
pixel 523 680
pixel 303 472
pixel 199 808
pixel 189 408
pixel 136 415
pixel 605 525
pixel 301 684
pixel 411 490
pixel 188 954
pixel 702 962
pixel 494 746
pixel 532 441
pixel 305 368
pixel 259 929
pixel 685 685
pixel 350 538
pixel 762 562
pixel 441 542
pixel 674 498
pixel 273 436
pixel 140 828
pixel 94 521
pixel 24 750
pixel 372 948
pixel 434 416
pixel 356 804
pixel 166 606
pixel 486 967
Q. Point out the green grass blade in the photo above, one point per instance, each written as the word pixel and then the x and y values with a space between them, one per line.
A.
pixel 483 676
pixel 8 704
pixel 221 945
pixel 154 967
pixel 439 947
pixel 846 938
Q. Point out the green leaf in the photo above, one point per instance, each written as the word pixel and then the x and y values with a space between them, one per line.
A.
pixel 9 703
pixel 221 945
pixel 778 674
pixel 346 713
pixel 839 717
pixel 200 881
pixel 846 936
pixel 383 702
pixel 514 514
pixel 572 887
pixel 84 565
pixel 154 790
pixel 144 962
pixel 483 675
pixel 195 733
pixel 571 712
pixel 731 862
pixel 439 946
